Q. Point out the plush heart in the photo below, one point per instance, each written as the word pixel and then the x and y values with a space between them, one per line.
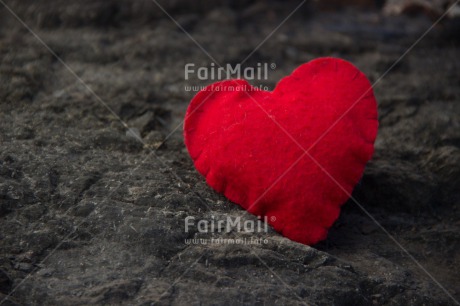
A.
pixel 257 147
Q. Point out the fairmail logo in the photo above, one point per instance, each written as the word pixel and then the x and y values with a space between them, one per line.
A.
pixel 216 73
pixel 226 225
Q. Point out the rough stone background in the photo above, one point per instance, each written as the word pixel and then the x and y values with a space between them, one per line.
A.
pixel 88 215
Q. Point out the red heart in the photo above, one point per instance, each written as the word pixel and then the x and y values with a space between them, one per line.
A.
pixel 243 140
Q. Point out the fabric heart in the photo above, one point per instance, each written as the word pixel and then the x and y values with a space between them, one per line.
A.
pixel 250 144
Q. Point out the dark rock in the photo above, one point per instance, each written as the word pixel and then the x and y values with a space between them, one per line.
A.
pixel 5 282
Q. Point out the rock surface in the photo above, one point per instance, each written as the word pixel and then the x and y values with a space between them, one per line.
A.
pixel 91 215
